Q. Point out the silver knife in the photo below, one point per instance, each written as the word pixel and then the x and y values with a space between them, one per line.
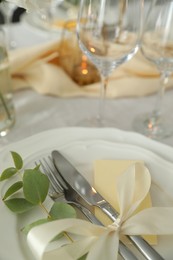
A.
pixel 92 197
pixel 124 251
pixel 73 197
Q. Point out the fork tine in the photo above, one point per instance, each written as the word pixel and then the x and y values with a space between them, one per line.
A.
pixel 48 171
pixel 58 177
pixel 53 191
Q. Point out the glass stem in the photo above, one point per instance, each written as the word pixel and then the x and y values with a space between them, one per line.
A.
pixel 5 106
pixel 104 83
pixel 157 113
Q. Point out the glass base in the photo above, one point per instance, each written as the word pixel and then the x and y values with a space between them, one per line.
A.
pixel 153 127
pixel 6 124
pixel 7 113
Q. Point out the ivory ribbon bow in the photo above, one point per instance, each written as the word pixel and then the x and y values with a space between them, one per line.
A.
pixel 102 242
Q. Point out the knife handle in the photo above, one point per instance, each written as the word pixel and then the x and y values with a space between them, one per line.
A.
pixel 142 245
pixel 148 251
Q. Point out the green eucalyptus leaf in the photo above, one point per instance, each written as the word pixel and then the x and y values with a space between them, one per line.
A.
pixel 35 186
pixel 37 167
pixel 18 205
pixel 61 210
pixel 83 257
pixel 18 162
pixel 7 173
pixel 13 188
pixel 28 227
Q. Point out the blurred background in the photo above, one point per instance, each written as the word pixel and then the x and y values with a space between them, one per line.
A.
pixel 15 17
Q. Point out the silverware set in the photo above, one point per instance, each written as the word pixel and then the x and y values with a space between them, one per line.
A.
pixel 67 183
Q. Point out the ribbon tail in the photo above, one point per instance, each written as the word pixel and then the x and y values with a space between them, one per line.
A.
pixel 106 247
pixel 39 237
pixel 152 221
pixel 71 251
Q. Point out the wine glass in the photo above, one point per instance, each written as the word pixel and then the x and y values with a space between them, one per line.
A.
pixel 108 32
pixel 157 47
pixel 8 10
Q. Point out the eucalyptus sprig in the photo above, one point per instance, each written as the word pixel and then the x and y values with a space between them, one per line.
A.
pixel 29 189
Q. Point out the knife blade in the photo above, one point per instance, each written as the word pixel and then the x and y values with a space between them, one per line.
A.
pixel 92 197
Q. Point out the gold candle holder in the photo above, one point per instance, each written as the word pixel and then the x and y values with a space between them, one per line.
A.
pixel 72 60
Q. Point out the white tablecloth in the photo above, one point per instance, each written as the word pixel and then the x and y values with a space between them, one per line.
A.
pixel 36 113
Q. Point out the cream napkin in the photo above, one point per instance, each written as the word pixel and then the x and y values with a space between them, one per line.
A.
pixel 104 182
pixel 31 67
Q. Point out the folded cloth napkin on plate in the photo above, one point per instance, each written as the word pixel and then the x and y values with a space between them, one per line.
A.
pixel 36 67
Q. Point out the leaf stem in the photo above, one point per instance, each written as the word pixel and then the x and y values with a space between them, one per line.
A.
pixel 68 237
pixel 20 174
pixel 44 209
pixel 5 106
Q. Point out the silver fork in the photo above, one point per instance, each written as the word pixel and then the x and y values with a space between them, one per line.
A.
pixel 59 192
pixel 60 186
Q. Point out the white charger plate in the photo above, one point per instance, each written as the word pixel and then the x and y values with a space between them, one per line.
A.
pixel 82 146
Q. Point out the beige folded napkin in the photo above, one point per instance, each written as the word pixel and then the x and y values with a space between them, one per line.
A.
pixel 104 182
pixel 37 67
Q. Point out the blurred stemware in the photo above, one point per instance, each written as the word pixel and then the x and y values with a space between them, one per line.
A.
pixel 8 9
pixel 157 47
pixel 52 14
pixel 108 32
pixel 7 111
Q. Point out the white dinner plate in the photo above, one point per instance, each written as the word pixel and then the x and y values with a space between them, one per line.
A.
pixel 82 146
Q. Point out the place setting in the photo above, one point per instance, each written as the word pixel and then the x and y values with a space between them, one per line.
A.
pixel 83 154
pixel 89 191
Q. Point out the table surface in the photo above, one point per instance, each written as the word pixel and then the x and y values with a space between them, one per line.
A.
pixel 36 113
